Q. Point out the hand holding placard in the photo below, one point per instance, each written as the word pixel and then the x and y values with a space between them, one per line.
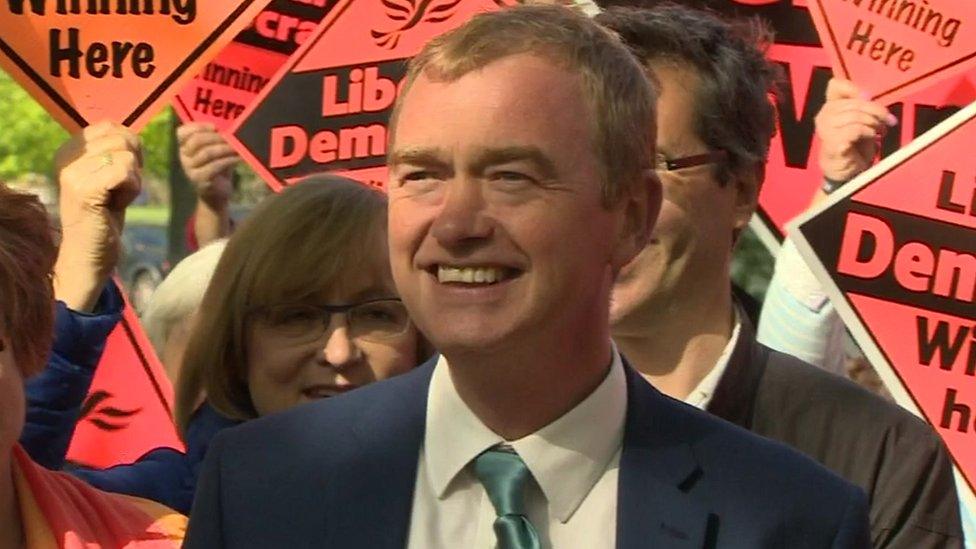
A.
pixel 849 127
pixel 99 175
pixel 208 161
pixel 896 251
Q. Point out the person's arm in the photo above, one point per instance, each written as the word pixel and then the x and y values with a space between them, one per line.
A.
pixel 163 475
pixel 55 395
pixel 208 161
pixel 797 318
pixel 915 495
pixel 98 173
pixel 968 524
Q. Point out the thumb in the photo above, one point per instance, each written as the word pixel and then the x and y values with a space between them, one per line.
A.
pixel 838 88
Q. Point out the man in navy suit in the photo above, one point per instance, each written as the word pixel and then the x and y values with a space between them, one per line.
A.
pixel 521 181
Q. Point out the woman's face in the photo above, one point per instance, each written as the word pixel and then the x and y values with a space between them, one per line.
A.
pixel 293 356
pixel 11 399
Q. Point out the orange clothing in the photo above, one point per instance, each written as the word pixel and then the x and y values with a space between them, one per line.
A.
pixel 60 511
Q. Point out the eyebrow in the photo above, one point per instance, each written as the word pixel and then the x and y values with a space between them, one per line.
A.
pixel 418 156
pixel 491 157
pixel 484 159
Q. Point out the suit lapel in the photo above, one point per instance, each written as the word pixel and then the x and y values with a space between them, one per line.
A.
pixel 657 469
pixel 371 502
pixel 735 396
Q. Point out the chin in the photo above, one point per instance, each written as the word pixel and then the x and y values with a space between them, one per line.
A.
pixel 475 338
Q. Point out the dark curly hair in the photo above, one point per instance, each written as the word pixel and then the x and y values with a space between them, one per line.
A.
pixel 734 104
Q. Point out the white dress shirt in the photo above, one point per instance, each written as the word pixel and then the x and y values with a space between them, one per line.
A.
pixel 702 395
pixel 574 461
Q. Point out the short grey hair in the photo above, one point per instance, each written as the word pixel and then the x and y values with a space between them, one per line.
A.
pixel 180 293
pixel 620 99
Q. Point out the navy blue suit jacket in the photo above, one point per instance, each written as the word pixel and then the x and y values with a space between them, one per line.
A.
pixel 341 472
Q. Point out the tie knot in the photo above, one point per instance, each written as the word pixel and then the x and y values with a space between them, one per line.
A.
pixel 504 476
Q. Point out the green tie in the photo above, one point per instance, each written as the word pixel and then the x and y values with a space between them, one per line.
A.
pixel 505 476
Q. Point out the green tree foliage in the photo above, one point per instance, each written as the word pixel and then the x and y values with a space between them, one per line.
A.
pixel 29 137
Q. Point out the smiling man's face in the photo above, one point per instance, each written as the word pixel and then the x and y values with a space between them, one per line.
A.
pixel 498 235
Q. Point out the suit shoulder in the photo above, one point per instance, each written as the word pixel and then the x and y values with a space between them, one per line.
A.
pixel 740 453
pixel 323 427
pixel 802 396
pixel 758 485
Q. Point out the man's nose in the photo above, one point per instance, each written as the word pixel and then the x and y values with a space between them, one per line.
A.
pixel 462 217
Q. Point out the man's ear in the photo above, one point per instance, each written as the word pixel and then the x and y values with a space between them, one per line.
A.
pixel 747 185
pixel 641 204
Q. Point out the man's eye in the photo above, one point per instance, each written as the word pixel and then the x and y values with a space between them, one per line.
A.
pixel 418 175
pixel 511 177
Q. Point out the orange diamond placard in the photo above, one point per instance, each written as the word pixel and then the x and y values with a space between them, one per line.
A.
pixel 792 174
pixel 897 254
pixel 328 109
pixel 894 47
pixel 231 80
pixel 118 60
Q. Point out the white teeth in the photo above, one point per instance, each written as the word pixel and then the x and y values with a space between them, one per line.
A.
pixel 469 275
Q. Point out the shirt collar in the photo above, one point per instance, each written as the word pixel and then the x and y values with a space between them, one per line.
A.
pixel 566 457
pixel 702 394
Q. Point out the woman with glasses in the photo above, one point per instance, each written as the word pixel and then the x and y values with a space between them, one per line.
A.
pixel 301 306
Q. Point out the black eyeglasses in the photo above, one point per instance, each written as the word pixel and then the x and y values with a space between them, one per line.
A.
pixel 374 320
pixel 663 164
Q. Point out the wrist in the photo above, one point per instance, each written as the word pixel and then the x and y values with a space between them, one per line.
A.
pixel 217 205
pixel 831 184
pixel 78 295
pixel 78 283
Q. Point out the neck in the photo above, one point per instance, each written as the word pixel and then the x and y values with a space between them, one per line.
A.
pixel 528 385
pixel 677 346
pixel 11 531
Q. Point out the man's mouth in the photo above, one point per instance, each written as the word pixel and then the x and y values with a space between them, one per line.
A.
pixel 447 274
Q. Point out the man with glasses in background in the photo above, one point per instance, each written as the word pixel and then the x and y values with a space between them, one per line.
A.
pixel 673 314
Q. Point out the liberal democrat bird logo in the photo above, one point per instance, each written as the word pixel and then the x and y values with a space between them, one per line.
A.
pixel 412 13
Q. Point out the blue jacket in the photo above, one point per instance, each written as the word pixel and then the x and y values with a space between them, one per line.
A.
pixel 341 472
pixel 55 397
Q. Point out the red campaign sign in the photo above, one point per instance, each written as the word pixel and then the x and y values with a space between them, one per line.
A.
pixel 892 48
pixel 128 411
pixel 328 109
pixel 792 174
pixel 232 80
pixel 92 60
pixel 897 254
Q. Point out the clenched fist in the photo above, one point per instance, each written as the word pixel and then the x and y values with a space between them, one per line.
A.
pixel 99 175
pixel 208 161
pixel 849 127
